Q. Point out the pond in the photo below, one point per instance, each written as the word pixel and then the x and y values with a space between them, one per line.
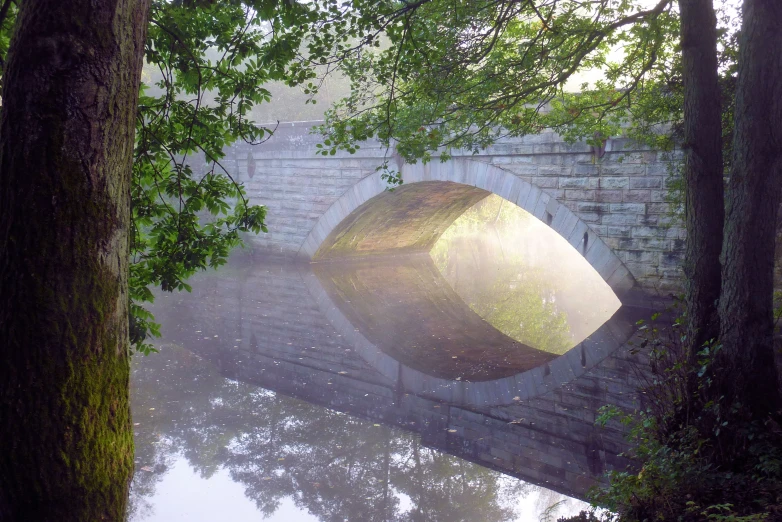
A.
pixel 458 385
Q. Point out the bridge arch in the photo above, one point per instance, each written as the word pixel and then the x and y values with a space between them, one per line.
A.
pixel 431 210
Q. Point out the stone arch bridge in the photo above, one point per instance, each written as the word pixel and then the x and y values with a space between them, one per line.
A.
pixel 610 206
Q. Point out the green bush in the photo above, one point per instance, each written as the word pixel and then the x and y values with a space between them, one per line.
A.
pixel 699 456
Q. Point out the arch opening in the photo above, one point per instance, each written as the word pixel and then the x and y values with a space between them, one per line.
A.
pixel 371 226
pixel 350 229
pixel 521 277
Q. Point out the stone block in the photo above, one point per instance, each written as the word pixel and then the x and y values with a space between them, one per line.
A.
pixel 481 170
pixel 642 270
pixel 655 244
pixel 598 254
pixel 648 232
pixel 567 225
pixel 622 169
pixel 492 174
pixel 553 170
pixel 559 217
pixel 641 256
pixel 636 196
pixel 579 195
pixel 662 169
pixel 609 196
pixel 593 207
pixel 543 182
pixel 543 137
pixel 521 169
pixel 671 260
pixel 531 200
pixel 647 182
pixel 582 169
pixel 540 206
pixel 619 219
pixel 648 220
pixel 524 191
pixel 626 208
pixel 552 206
pixel 590 217
pixel 506 185
pixel 619 231
pixel 658 208
pixel 460 167
pixel 576 237
pixel 578 183
pixel 614 182
pixel 545 148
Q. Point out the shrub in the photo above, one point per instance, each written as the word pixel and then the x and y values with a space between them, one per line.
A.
pixel 699 455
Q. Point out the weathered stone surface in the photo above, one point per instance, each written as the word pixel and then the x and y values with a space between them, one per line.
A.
pixel 621 196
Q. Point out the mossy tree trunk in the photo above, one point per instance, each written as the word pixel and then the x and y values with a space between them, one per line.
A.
pixel 703 170
pixel 746 363
pixel 69 99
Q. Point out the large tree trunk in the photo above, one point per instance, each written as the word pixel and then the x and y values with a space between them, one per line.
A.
pixel 747 366
pixel 703 169
pixel 66 138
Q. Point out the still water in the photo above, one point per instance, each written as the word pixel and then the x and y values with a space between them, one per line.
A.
pixel 422 388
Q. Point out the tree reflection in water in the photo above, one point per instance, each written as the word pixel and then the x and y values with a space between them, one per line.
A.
pixel 332 465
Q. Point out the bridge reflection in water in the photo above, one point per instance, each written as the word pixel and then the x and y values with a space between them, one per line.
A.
pixel 346 390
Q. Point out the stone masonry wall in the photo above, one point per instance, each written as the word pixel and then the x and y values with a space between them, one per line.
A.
pixel 620 196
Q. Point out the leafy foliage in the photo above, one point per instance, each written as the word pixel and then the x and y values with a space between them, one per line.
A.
pixel 698 458
pixel 208 63
pixel 205 71
pixel 435 75
pixel 463 74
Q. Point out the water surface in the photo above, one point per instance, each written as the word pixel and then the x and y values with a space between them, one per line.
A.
pixel 417 388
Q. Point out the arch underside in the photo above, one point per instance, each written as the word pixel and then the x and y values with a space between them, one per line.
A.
pixel 409 219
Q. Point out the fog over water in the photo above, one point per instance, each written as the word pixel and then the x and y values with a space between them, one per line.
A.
pixel 266 403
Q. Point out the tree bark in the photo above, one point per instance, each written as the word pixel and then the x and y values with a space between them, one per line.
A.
pixel 703 170
pixel 70 92
pixel 746 362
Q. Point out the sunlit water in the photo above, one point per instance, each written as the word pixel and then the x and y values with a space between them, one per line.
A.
pixel 263 405
pixel 522 277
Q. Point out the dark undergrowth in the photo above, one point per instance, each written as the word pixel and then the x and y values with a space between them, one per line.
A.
pixel 699 455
